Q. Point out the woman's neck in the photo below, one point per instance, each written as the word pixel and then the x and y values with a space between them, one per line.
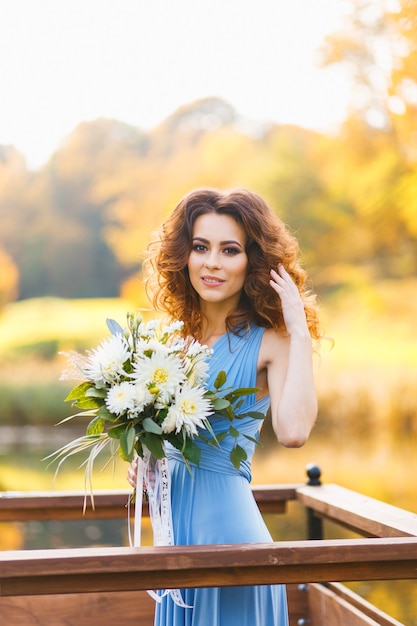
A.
pixel 214 321
pixel 212 329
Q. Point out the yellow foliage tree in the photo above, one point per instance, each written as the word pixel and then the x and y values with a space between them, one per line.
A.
pixel 9 279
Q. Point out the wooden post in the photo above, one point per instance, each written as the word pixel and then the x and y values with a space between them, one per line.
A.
pixel 314 522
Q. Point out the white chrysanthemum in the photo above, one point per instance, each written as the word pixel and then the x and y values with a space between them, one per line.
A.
pixel 174 327
pixel 148 329
pixel 197 371
pixel 160 373
pixel 177 346
pixel 151 345
pixel 170 422
pixel 190 410
pixel 196 362
pixel 197 349
pixel 143 397
pixel 121 398
pixel 105 363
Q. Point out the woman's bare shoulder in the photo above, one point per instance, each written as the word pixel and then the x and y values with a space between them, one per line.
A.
pixel 274 345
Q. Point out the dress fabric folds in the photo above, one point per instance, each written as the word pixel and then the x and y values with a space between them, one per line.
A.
pixel 214 504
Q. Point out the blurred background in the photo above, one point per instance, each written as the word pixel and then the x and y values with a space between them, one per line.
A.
pixel 111 111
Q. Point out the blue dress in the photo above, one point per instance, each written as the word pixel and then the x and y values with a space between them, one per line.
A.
pixel 214 505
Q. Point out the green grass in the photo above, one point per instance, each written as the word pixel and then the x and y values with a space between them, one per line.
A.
pixel 33 325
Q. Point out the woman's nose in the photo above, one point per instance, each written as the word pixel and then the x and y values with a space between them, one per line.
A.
pixel 213 260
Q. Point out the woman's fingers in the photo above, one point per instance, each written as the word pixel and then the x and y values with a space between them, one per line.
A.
pixel 132 472
pixel 291 301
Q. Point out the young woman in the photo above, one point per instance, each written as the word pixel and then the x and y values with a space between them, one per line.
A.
pixel 228 268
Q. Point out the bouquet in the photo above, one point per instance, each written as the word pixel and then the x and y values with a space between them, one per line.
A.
pixel 143 386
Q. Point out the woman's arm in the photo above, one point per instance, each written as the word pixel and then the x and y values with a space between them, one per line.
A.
pixel 289 365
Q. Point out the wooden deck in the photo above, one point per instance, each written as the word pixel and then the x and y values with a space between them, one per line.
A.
pixel 106 586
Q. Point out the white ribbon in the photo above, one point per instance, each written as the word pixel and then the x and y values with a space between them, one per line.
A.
pixel 153 476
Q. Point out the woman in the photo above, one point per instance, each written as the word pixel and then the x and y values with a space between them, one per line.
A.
pixel 228 268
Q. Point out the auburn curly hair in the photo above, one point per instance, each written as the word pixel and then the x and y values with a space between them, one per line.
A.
pixel 269 243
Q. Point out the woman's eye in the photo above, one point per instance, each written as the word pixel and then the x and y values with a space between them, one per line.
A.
pixel 231 250
pixel 198 247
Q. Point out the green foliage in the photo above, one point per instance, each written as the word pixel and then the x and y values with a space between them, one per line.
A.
pixel 31 403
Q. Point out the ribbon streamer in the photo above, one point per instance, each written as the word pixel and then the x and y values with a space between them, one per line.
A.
pixel 153 476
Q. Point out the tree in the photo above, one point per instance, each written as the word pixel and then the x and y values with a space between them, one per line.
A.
pixel 379 46
pixel 9 279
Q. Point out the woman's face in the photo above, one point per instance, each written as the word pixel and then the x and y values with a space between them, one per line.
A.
pixel 218 262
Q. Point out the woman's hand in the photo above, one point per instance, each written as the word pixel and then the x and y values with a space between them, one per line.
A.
pixel 132 472
pixel 291 302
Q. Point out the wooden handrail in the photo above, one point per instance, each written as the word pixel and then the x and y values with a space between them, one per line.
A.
pixel 37 572
pixel 109 504
pixel 30 579
pixel 364 515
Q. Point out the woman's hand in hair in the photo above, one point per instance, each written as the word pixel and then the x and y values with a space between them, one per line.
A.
pixel 291 301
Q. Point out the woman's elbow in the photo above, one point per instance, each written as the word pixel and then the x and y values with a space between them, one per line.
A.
pixel 297 440
pixel 295 435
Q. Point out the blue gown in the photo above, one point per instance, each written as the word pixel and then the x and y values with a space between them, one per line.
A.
pixel 215 505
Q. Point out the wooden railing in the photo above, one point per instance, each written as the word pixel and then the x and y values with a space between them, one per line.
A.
pixel 108 583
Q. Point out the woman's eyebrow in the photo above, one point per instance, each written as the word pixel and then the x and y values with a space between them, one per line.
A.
pixel 226 242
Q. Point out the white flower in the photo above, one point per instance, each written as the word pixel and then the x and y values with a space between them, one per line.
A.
pixel 176 347
pixel 121 398
pixel 148 329
pixel 170 422
pixel 143 397
pixel 150 345
pixel 196 362
pixel 174 327
pixel 188 412
pixel 161 374
pixel 197 349
pixel 105 363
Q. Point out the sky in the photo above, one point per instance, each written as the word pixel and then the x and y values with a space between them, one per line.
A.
pixel 67 61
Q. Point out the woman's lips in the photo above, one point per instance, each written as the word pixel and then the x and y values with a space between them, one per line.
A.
pixel 212 280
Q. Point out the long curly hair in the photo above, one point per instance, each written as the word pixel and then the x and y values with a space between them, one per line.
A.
pixel 268 244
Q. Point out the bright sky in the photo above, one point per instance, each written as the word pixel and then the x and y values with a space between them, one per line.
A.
pixel 66 61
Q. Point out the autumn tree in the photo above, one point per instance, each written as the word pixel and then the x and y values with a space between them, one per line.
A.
pixel 9 279
pixel 378 142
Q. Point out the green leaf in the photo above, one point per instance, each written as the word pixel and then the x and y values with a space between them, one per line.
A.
pixel 79 391
pixel 233 432
pixel 127 442
pixel 221 436
pixel 219 404
pixel 151 427
pixel 116 431
pixel 220 379
pixel 96 426
pixel 93 392
pixel 257 415
pixel 242 391
pixel 238 404
pixel 105 414
pixel 252 439
pixel 89 403
pixel 191 452
pixel 154 443
pixel 237 455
